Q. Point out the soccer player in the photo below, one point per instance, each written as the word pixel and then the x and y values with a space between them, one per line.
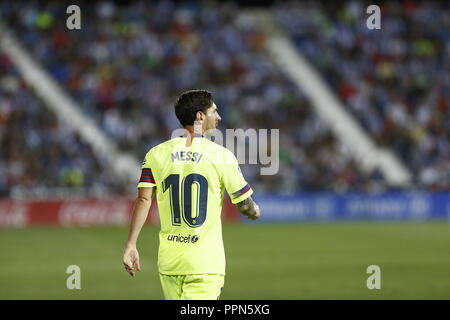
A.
pixel 188 174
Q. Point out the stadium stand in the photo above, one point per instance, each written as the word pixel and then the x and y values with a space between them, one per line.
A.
pixel 125 68
pixel 38 156
pixel 395 81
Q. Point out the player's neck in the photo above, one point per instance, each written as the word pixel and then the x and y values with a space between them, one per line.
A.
pixel 191 132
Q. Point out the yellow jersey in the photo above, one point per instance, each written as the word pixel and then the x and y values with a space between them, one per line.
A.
pixel 190 183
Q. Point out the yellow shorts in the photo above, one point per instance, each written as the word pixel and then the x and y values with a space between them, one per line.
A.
pixel 192 286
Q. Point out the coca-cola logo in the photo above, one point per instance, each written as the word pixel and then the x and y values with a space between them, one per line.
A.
pixel 13 214
pixel 94 213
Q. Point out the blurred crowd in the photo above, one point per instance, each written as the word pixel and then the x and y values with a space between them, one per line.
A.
pixel 395 80
pixel 38 155
pixel 127 64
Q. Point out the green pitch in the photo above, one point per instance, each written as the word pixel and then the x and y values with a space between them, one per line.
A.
pixel 264 261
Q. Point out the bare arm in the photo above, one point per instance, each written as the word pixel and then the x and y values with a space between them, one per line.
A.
pixel 140 212
pixel 249 208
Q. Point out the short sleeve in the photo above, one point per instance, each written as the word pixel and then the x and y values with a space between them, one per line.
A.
pixel 237 188
pixel 147 180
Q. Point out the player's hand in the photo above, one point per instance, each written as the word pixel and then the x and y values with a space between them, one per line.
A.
pixel 256 214
pixel 130 259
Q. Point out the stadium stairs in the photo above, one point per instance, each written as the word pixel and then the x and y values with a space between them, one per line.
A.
pixel 328 106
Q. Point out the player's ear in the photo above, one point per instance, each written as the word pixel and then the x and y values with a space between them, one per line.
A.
pixel 199 116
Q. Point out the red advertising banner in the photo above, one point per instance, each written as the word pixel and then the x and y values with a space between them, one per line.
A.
pixel 82 212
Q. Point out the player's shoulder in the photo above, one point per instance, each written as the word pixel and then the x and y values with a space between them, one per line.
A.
pixel 163 147
pixel 167 144
pixel 216 147
pixel 219 152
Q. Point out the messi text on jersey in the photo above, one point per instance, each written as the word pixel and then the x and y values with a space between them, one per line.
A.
pixel 186 156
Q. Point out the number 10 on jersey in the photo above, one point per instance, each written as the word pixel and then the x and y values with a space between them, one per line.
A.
pixel 172 183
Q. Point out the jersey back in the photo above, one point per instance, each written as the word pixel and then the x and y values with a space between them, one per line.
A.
pixel 190 183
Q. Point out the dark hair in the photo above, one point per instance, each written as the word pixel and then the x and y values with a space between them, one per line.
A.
pixel 189 103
